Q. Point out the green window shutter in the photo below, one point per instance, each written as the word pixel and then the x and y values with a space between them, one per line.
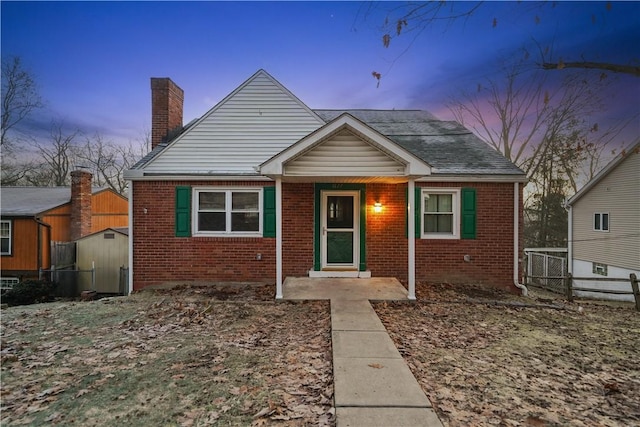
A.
pixel 269 212
pixel 468 213
pixel 416 211
pixel 183 211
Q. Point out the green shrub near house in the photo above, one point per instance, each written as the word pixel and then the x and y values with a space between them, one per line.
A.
pixel 29 292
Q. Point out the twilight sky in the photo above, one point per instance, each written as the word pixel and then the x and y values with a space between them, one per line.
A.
pixel 93 60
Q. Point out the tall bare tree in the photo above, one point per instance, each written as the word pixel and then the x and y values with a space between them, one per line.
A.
pixel 20 97
pixel 56 157
pixel 108 160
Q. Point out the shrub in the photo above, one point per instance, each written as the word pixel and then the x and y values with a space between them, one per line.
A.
pixel 29 292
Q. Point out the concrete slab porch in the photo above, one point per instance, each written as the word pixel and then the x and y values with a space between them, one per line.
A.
pixel 373 289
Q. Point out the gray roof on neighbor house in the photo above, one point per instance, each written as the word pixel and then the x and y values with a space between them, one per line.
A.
pixel 447 146
pixel 30 201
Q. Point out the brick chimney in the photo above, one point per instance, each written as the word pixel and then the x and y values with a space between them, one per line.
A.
pixel 80 204
pixel 166 110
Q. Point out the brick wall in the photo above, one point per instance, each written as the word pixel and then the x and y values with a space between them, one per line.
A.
pixel 161 257
pixel 442 260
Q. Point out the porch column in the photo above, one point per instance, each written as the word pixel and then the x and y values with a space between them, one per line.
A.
pixel 411 238
pixel 279 238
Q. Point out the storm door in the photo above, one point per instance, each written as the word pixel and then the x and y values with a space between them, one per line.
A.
pixel 339 240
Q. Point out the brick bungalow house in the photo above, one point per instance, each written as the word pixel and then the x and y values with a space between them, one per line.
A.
pixel 261 188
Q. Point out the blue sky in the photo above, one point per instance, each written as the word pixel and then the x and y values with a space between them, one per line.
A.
pixel 93 60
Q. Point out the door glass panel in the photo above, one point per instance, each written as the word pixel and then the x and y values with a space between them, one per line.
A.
pixel 340 212
pixel 339 247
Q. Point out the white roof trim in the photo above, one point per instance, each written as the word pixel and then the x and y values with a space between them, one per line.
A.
pixel 414 165
pixel 194 123
pixel 604 172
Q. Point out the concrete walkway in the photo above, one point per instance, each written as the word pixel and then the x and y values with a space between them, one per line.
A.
pixel 373 385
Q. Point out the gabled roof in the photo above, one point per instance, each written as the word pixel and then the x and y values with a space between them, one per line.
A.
pixel 261 119
pixel 604 172
pixel 411 165
pixel 449 147
pixel 257 120
pixel 30 201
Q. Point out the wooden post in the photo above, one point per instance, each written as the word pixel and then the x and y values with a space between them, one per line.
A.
pixel 568 288
pixel 636 291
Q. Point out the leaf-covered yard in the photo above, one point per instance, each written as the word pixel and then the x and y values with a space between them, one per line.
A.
pixel 230 355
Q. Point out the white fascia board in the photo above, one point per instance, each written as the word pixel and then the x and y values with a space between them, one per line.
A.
pixel 199 177
pixel 474 178
pixel 415 166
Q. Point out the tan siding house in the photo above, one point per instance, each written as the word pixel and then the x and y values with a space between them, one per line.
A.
pixel 604 218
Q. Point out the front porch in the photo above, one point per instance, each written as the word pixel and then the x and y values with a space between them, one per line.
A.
pixel 376 289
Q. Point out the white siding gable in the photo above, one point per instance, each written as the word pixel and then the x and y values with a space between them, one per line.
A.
pixel 255 122
pixel 618 194
pixel 344 155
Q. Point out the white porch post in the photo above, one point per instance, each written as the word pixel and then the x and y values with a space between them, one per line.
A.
pixel 279 238
pixel 411 238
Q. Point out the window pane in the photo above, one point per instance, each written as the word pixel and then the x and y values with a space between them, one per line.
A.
pixel 431 203
pixel 445 223
pixel 438 203
pixel 445 203
pixel 596 221
pixel 605 222
pixel 4 229
pixel 244 201
pixel 211 221
pixel 4 246
pixel 438 223
pixel 211 201
pixel 245 221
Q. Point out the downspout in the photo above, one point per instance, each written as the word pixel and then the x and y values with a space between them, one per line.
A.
pixel 279 294
pixel 516 239
pixel 130 221
pixel 569 209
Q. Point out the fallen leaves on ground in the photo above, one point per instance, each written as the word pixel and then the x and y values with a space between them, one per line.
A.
pixel 195 355
pixel 485 357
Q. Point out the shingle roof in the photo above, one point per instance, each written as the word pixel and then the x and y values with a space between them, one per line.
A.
pixel 449 147
pixel 446 145
pixel 29 201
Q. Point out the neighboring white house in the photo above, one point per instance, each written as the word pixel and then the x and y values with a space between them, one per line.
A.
pixel 604 227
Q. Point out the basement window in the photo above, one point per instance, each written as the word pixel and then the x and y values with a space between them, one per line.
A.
pixel 600 269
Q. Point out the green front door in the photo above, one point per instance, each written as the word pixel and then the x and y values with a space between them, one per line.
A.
pixel 340 217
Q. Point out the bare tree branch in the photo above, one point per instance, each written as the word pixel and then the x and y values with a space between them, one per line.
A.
pixel 605 66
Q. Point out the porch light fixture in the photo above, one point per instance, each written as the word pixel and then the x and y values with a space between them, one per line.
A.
pixel 377 207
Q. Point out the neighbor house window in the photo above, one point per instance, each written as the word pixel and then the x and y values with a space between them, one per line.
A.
pixel 440 213
pixel 600 269
pixel 227 211
pixel 5 237
pixel 601 221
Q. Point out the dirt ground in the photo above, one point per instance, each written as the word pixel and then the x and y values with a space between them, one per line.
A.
pixel 230 355
pixel 484 357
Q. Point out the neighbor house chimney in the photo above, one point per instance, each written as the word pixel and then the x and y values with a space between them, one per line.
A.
pixel 166 110
pixel 80 204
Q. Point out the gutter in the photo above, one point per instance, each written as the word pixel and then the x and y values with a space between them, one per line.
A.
pixel 516 240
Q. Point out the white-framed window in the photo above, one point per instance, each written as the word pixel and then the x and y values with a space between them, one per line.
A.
pixel 440 213
pixel 227 211
pixel 601 221
pixel 5 237
pixel 8 282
